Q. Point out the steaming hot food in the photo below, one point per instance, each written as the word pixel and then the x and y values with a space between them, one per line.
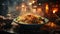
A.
pixel 30 19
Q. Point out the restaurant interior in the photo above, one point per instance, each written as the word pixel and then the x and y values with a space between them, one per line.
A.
pixel 30 17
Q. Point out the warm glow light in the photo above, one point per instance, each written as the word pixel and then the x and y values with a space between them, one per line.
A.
pixel 40 12
pixel 47 8
pixel 23 5
pixel 51 24
pixel 39 9
pixel 34 6
pixel 23 8
pixel 30 3
pixel 33 2
pixel 55 10
pixel 34 10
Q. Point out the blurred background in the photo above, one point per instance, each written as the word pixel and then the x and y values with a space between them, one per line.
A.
pixel 11 9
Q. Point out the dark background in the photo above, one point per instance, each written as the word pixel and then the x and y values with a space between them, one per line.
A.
pixel 4 11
